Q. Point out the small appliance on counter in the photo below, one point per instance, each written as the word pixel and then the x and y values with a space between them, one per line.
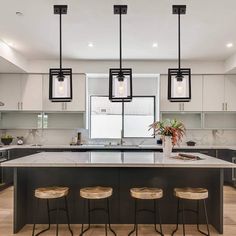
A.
pixel 191 143
pixel 20 140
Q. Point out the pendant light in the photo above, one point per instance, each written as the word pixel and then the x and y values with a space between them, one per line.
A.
pixel 60 79
pixel 120 79
pixel 179 80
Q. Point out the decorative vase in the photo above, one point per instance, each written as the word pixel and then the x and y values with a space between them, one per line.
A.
pixel 167 146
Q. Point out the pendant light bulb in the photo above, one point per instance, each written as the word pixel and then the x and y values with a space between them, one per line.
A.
pixel 179 88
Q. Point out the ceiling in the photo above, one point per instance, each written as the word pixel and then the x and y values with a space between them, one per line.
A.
pixel 206 29
pixel 6 67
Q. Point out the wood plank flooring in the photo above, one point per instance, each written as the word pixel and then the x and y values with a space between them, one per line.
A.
pixel 6 216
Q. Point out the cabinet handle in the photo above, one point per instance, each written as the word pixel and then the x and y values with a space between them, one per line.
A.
pixel 65 106
pixel 62 104
pixel 180 106
pixel 18 106
pixel 21 105
pixel 223 106
pixel 233 169
pixel 226 106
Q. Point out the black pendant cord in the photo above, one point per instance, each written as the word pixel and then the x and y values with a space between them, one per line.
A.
pixel 120 42
pixel 60 44
pixel 179 40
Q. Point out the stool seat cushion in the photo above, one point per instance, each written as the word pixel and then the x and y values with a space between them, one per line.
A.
pixel 191 193
pixel 146 193
pixel 51 192
pixel 97 192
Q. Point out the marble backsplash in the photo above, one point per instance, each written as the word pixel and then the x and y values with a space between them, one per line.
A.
pixel 62 137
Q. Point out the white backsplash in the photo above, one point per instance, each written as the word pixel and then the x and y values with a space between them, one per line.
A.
pixel 64 137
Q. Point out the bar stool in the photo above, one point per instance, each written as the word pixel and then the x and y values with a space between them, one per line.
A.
pixel 147 194
pixel 194 194
pixel 52 193
pixel 93 194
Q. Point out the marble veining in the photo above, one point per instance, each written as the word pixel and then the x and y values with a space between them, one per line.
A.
pixel 114 159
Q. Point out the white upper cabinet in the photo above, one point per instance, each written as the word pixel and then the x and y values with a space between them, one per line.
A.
pixel 230 93
pixel 78 100
pixel 79 88
pixel 47 104
pixel 31 93
pixel 196 101
pixel 165 104
pixel 10 93
pixel 213 93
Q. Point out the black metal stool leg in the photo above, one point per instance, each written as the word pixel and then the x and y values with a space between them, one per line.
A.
pixel 57 211
pixel 37 207
pixel 109 217
pixel 67 215
pixel 183 217
pixel 206 217
pixel 135 229
pixel 82 229
pixel 157 208
pixel 177 219
pixel 49 221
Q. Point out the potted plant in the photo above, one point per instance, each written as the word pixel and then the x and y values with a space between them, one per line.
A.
pixel 171 131
pixel 6 139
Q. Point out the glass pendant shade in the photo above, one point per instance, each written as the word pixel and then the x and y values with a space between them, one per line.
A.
pixel 179 85
pixel 120 85
pixel 60 85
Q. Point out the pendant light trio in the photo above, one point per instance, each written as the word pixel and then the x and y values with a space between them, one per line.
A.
pixel 120 79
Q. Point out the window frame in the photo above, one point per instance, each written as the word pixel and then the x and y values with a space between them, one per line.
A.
pixel 123 115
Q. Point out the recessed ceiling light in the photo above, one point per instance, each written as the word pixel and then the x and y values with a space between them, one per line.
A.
pixel 18 13
pixel 90 45
pixel 155 45
pixel 229 45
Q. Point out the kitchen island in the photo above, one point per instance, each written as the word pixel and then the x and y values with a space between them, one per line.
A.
pixel 120 170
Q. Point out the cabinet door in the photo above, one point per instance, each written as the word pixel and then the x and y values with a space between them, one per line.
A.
pixel 79 91
pixel 230 92
pixel 31 92
pixel 47 104
pixel 195 103
pixel 213 92
pixel 165 104
pixel 10 92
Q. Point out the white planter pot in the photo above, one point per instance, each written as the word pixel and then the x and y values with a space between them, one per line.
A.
pixel 167 146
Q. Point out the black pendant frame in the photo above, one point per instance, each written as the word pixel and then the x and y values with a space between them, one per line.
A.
pixel 172 74
pixel 53 72
pixel 120 73
pixel 114 72
pixel 60 72
pixel 179 73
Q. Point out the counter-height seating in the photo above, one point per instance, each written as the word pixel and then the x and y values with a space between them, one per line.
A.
pixel 191 194
pixel 147 194
pixel 52 193
pixel 94 194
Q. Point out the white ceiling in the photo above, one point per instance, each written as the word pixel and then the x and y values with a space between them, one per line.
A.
pixel 207 27
pixel 6 67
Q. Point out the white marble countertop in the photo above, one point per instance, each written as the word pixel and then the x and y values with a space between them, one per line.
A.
pixel 109 147
pixel 114 159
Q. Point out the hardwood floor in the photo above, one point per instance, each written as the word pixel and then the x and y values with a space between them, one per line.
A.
pixel 6 216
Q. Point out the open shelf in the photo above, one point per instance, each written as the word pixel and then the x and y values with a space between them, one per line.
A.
pixel 191 120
